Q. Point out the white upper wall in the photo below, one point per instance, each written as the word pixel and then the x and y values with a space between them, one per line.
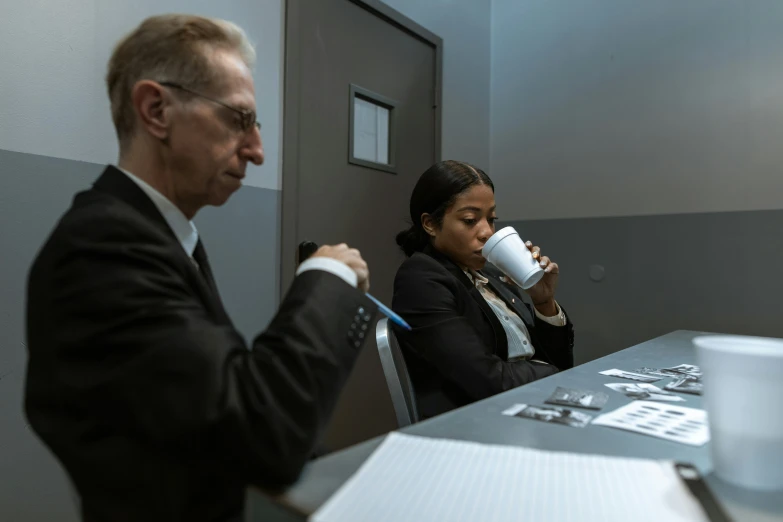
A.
pixel 610 107
pixel 53 99
pixel 464 26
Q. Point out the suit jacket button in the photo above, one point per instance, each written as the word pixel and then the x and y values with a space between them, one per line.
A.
pixel 357 344
pixel 353 326
pixel 360 310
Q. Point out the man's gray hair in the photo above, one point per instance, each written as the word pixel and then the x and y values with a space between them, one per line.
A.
pixel 175 48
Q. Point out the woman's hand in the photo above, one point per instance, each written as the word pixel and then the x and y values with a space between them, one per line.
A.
pixel 543 293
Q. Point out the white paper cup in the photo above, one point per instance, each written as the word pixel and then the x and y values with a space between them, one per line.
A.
pixel 506 250
pixel 743 394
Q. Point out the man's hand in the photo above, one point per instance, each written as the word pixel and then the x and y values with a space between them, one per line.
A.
pixel 352 258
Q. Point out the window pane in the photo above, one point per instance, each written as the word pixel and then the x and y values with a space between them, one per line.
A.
pixel 370 131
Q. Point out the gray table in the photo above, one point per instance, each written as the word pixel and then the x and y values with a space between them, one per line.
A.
pixel 483 422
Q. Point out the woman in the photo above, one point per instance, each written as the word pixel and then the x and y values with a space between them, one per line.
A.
pixel 475 333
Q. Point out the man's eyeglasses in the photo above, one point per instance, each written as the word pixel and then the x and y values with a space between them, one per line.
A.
pixel 248 120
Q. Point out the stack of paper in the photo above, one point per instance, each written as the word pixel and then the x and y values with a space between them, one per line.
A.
pixel 421 479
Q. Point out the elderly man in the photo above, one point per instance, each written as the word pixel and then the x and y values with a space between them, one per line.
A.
pixel 137 379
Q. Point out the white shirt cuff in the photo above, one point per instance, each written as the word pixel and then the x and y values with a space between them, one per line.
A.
pixel 556 320
pixel 332 266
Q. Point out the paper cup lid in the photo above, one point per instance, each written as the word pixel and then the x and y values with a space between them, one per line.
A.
pixel 741 344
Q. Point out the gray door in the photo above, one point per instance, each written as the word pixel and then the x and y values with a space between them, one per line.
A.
pixel 364 63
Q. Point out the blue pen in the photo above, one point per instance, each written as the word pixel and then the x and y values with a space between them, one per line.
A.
pixel 396 319
pixel 308 248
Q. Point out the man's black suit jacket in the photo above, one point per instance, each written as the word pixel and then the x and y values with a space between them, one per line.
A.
pixel 142 387
pixel 457 352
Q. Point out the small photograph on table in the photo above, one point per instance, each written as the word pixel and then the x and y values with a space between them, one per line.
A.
pixel 690 370
pixel 686 385
pixel 630 375
pixel 657 372
pixel 579 398
pixel 566 416
pixel 644 391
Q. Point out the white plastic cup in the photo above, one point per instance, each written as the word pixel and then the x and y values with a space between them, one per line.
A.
pixel 743 390
pixel 506 250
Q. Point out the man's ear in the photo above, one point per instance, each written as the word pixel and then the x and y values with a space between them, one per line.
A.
pixel 428 224
pixel 151 103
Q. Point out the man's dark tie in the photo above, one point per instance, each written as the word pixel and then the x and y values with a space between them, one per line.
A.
pixel 200 257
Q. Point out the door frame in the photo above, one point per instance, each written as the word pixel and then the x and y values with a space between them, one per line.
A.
pixel 291 99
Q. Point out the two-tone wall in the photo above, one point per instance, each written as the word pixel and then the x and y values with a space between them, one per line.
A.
pixel 56 135
pixel 645 138
pixel 638 137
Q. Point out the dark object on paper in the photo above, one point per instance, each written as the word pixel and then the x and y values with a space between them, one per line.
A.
pixel 690 370
pixel 701 491
pixel 686 385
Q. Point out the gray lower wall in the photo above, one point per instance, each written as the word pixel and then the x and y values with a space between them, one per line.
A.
pixel 715 272
pixel 241 239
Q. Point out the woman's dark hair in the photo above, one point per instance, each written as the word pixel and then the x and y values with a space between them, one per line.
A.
pixel 433 194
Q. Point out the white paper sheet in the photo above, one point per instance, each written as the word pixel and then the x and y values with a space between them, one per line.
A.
pixel 666 421
pixel 421 479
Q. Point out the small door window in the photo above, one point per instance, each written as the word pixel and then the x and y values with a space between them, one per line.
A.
pixel 372 124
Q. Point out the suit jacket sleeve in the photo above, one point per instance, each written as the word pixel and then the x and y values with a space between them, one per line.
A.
pixel 425 296
pixel 140 348
pixel 557 342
